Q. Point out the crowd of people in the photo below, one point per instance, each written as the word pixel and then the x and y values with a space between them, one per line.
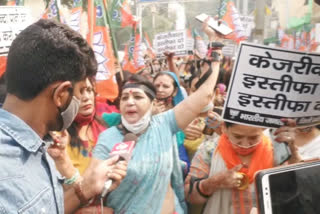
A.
pixel 56 138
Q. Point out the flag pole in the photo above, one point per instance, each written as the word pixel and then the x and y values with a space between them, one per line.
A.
pixel 113 38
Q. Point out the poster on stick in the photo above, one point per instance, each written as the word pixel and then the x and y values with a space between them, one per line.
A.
pixel 174 41
pixel 268 84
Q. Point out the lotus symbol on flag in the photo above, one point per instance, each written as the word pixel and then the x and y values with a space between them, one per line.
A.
pixel 74 22
pixel 98 48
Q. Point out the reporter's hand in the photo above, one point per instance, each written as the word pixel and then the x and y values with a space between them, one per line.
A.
pixel 98 172
pixel 118 173
pixel 94 209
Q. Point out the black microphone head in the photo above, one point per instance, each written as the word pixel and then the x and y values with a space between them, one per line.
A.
pixel 130 137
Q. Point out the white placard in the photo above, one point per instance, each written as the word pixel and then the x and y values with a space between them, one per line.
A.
pixel 13 19
pixel 268 84
pixel 318 32
pixel 175 41
pixel 229 50
pixel 248 24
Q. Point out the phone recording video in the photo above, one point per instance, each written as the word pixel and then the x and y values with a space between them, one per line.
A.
pixel 292 189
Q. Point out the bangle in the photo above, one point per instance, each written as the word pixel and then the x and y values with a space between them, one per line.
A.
pixel 78 190
pixel 73 179
pixel 200 192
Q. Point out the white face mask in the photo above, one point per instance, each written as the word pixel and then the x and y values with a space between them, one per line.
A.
pixel 140 125
pixel 70 113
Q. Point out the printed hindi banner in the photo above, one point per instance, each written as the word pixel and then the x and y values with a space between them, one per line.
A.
pixel 268 84
pixel 175 41
pixel 13 19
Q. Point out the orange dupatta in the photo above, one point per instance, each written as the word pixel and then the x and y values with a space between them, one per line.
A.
pixel 262 158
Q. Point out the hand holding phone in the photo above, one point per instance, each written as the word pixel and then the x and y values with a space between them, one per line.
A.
pixel 289 189
pixel 215 24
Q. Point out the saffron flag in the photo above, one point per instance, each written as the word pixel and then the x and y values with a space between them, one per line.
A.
pixel 200 45
pixel 148 43
pixel 51 11
pixel 121 15
pixel 313 44
pixel 229 14
pixel 11 3
pixel 75 17
pixel 133 59
pixel 100 40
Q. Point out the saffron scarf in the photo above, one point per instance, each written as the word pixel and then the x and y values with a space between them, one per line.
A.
pixel 262 157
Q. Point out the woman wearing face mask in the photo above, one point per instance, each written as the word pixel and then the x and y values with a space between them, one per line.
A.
pixel 222 172
pixel 85 129
pixel 154 182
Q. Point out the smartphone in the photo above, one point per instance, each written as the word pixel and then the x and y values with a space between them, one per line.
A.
pixel 293 189
pixel 214 24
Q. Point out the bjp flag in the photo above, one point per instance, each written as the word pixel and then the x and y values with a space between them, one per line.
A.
pixel 100 40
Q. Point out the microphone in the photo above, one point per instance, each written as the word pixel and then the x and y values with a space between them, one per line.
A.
pixel 124 150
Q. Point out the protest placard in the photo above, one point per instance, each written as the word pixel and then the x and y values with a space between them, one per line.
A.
pixel 175 41
pixel 13 19
pixel 268 84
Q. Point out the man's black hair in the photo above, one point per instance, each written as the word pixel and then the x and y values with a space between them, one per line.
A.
pixel 2 90
pixel 44 53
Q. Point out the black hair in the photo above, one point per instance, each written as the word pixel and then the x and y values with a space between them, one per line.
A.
pixel 2 90
pixel 136 78
pixel 44 53
pixel 175 85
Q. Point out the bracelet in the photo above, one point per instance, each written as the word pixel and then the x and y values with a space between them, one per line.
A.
pixel 78 190
pixel 216 45
pixel 213 55
pixel 200 192
pixel 73 179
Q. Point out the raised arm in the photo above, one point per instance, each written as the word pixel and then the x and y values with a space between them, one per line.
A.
pixel 191 107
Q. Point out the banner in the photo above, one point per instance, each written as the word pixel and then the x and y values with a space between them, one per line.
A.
pixel 13 19
pixel 100 39
pixel 175 41
pixel 268 84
